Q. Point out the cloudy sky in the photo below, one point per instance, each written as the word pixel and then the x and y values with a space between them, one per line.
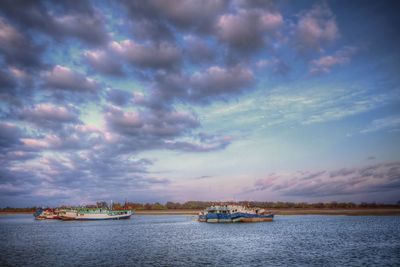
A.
pixel 199 100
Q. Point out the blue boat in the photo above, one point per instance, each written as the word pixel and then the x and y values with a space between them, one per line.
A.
pixel 232 213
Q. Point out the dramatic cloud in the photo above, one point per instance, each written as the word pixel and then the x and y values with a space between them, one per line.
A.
pixel 198 50
pixel 186 15
pixel 50 116
pixel 79 174
pixel 151 29
pixel 70 137
pixel 7 83
pixel 205 143
pixel 316 28
pixel 103 100
pixel 383 177
pixel 9 136
pixel 89 29
pixel 119 97
pixel 219 82
pixel 150 125
pixel 190 14
pixel 244 31
pixel 159 129
pixel 16 87
pixel 63 78
pixel 78 20
pixel 211 84
pixel 324 64
pixel 104 62
pixel 17 49
pixel 161 56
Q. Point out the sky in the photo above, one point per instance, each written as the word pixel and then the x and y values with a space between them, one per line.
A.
pixel 199 100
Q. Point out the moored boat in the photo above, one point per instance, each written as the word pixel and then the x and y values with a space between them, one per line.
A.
pixel 231 213
pixel 46 214
pixel 95 214
pixel 67 214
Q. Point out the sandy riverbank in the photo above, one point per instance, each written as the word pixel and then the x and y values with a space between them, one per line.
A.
pixel 15 212
pixel 350 212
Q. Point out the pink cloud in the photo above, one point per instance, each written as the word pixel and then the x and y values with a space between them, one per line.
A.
pixel 64 78
pixel 316 28
pixel 368 179
pixel 245 30
pixel 162 55
pixel 324 64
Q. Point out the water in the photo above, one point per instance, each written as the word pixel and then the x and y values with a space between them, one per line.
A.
pixel 181 241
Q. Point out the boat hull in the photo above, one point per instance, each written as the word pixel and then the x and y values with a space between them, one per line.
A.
pixel 68 215
pixel 82 216
pixel 235 217
pixel 48 214
pixel 255 219
pixel 97 218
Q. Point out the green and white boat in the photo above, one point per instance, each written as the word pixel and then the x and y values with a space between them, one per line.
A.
pixel 86 214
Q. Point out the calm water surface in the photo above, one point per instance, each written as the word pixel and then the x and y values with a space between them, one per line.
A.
pixel 181 241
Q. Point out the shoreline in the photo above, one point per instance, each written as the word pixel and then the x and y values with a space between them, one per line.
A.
pixel 348 212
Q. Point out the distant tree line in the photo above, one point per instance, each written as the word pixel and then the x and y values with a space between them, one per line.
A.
pixel 199 205
pixel 267 205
